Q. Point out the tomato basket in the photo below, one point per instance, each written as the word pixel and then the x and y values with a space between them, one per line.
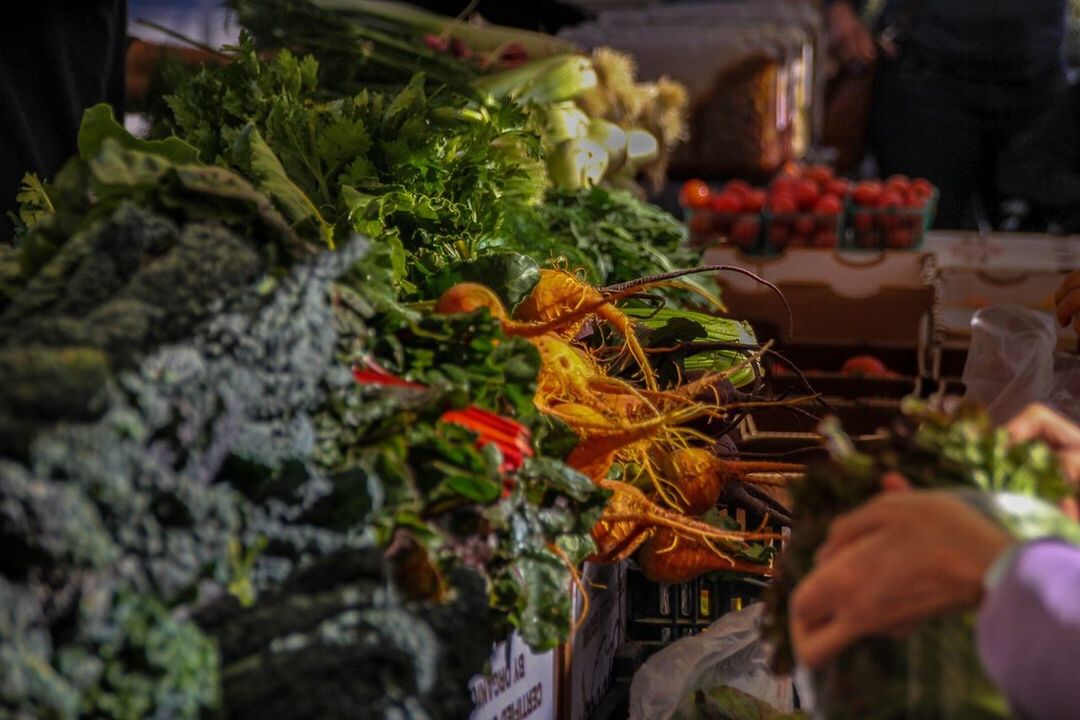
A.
pixel 889 228
pixel 742 229
pixel 801 230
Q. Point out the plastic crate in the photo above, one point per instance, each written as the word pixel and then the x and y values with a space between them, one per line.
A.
pixel 658 615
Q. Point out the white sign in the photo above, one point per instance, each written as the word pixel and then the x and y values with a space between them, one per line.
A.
pixel 593 647
pixel 521 684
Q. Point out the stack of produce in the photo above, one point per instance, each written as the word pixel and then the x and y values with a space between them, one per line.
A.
pixel 247 451
pixel 598 123
pixel 808 206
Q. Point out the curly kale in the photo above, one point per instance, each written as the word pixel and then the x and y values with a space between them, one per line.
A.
pixel 169 546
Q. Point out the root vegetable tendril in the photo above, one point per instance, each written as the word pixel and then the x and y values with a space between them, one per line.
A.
pixel 653 280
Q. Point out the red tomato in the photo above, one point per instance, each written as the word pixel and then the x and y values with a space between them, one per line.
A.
pixel 744 233
pixel 898 178
pixel 891 199
pixel 806 194
pixel 804 227
pixel 923 187
pixel 867 193
pixel 829 205
pixel 779 237
pixel 867 365
pixel 783 204
pixel 754 201
pixel 827 225
pixel 838 187
pixel 899 238
pixel 793 169
pixel 782 185
pixel 863 221
pixel 726 203
pixel 694 195
pixel 738 187
pixel 821 174
pixel 825 239
pixel 701 223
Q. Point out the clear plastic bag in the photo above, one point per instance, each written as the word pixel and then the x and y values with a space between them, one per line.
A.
pixel 1013 362
pixel 730 653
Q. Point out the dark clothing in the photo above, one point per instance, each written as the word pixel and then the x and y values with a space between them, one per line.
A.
pixel 56 60
pixel 929 122
pixel 1043 165
pixel 970 78
pixel 1025 37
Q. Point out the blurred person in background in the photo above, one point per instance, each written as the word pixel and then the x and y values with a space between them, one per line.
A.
pixel 57 60
pixel 910 555
pixel 956 83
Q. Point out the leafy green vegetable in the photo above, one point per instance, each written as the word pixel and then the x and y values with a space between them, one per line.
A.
pixel 511 275
pixel 98 124
pixel 610 234
pixel 936 672
pixel 408 169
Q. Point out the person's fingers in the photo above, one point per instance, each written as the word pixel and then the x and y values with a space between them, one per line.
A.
pixel 1038 422
pixel 1070 465
pixel 1071 283
pixel 1068 306
pixel 850 526
pixel 817 645
pixel 895 482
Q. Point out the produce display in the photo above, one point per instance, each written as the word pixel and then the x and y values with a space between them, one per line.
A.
pixel 936 671
pixel 808 206
pixel 326 374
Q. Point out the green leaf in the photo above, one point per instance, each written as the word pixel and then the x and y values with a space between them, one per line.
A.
pixel 98 124
pixel 272 179
pixel 511 275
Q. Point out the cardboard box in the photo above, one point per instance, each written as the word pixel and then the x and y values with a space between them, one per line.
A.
pixel 588 659
pixel 521 684
pixel 978 270
pixel 853 298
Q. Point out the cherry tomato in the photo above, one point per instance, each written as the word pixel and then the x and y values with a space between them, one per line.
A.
pixel 744 233
pixel 923 187
pixel 839 187
pixel 783 204
pixel 806 194
pixel 779 236
pixel 829 205
pixel 824 239
pixel 898 178
pixel 701 223
pixel 863 221
pixel 867 365
pixel 726 203
pixel 803 227
pixel 867 193
pixel 738 187
pixel 754 201
pixel 899 238
pixel 821 174
pixel 694 195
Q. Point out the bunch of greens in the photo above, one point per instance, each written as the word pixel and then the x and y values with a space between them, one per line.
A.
pixel 436 497
pixel 432 177
pixel 610 234
pixel 936 672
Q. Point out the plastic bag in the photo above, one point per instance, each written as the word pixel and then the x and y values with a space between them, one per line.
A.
pixel 729 653
pixel 1013 362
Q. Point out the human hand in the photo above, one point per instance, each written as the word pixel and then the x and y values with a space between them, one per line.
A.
pixel 849 38
pixel 901 558
pixel 1038 422
pixel 1067 298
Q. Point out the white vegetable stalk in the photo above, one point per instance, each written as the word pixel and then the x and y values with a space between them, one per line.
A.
pixel 577 164
pixel 565 121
